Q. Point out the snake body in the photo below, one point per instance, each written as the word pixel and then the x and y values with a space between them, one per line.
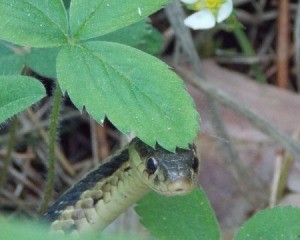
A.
pixel 104 193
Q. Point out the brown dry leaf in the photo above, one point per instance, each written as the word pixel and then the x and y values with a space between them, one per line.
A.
pixel 256 150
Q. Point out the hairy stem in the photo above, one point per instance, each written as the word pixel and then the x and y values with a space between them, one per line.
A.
pixel 51 146
pixel 7 159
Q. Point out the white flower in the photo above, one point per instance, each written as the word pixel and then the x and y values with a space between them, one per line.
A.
pixel 209 12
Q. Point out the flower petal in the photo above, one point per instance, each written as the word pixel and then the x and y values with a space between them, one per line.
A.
pixel 189 1
pixel 224 11
pixel 203 19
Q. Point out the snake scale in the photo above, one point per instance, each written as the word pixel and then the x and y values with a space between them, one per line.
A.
pixel 107 191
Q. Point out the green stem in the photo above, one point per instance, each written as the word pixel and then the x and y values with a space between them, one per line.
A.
pixel 249 52
pixel 284 174
pixel 7 159
pixel 52 142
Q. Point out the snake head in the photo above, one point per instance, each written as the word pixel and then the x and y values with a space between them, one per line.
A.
pixel 168 173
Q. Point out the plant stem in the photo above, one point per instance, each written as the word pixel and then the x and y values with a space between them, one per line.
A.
pixel 249 52
pixel 7 159
pixel 51 146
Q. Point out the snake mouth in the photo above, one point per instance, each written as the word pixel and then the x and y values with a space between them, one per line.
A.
pixel 179 187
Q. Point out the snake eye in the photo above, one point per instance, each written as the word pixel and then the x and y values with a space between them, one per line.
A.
pixel 195 163
pixel 151 165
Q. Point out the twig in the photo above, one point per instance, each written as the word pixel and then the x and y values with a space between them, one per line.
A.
pixel 241 60
pixel 102 140
pixel 63 160
pixel 297 44
pixel 94 142
pixel 12 200
pixel 38 125
pixel 175 14
pixel 283 44
pixel 276 177
pixel 282 165
pixel 23 180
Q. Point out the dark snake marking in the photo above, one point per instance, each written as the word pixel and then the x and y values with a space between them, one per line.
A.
pixel 71 196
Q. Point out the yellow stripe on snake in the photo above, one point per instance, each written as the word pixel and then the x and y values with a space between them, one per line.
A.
pixel 104 193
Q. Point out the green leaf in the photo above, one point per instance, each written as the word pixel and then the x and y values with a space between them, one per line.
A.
pixel 131 35
pixel 43 61
pixel 29 230
pixel 93 18
pixel 37 23
pixel 140 35
pixel 24 230
pixel 272 224
pixel 152 42
pixel 11 59
pixel 180 217
pixel 18 93
pixel 136 91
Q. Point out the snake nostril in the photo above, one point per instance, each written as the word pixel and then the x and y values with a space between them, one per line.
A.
pixel 179 190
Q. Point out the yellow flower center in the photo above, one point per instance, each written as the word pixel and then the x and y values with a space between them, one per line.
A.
pixel 213 5
pixel 198 6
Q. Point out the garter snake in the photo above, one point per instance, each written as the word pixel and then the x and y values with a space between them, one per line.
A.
pixel 104 193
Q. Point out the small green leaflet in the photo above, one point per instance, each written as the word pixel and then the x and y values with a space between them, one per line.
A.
pixel 17 93
pixel 11 63
pixel 43 61
pixel 36 23
pixel 279 223
pixel 93 18
pixel 136 91
pixel 181 217
pixel 139 35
